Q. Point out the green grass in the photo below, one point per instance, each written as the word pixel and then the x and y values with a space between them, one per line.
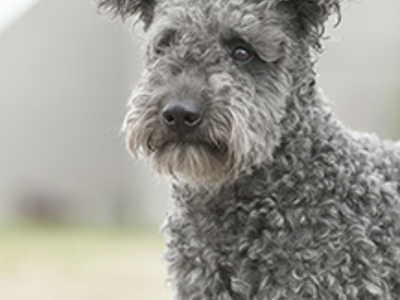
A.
pixel 62 263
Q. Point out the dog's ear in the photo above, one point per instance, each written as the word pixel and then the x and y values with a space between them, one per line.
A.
pixel 308 16
pixel 144 9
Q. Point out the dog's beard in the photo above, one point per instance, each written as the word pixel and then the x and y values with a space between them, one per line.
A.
pixel 209 162
pixel 197 163
pixel 194 162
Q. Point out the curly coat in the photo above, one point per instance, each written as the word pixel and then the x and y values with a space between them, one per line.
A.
pixel 273 197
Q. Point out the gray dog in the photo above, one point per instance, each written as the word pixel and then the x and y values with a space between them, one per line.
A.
pixel 274 199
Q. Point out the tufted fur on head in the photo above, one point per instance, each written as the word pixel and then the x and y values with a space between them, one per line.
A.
pixel 126 8
pixel 307 17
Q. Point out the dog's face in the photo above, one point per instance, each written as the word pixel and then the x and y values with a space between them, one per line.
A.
pixel 217 81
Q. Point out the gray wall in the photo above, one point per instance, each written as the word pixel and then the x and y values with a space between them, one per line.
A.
pixel 360 68
pixel 65 75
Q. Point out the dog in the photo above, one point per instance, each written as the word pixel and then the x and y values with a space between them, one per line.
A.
pixel 273 198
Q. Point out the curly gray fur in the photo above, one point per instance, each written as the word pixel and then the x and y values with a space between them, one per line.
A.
pixel 274 199
pixel 126 8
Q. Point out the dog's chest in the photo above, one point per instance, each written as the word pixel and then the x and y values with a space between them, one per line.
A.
pixel 252 248
pixel 262 247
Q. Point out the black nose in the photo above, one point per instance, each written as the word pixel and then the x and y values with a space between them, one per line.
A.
pixel 181 117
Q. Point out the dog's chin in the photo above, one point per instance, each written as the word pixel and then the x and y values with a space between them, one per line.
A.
pixel 194 163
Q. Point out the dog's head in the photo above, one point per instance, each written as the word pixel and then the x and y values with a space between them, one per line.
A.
pixel 219 76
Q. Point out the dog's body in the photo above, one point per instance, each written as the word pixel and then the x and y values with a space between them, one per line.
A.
pixel 273 198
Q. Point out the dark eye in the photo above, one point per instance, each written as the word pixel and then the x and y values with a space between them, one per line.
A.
pixel 167 40
pixel 241 54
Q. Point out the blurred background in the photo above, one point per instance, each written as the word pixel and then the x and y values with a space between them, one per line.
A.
pixel 78 218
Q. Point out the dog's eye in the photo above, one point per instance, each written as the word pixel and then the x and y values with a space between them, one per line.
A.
pixel 241 54
pixel 167 40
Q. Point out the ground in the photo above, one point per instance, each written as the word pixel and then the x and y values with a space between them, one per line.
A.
pixel 47 263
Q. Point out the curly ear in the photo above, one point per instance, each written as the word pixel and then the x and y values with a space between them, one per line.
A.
pixel 308 16
pixel 144 9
